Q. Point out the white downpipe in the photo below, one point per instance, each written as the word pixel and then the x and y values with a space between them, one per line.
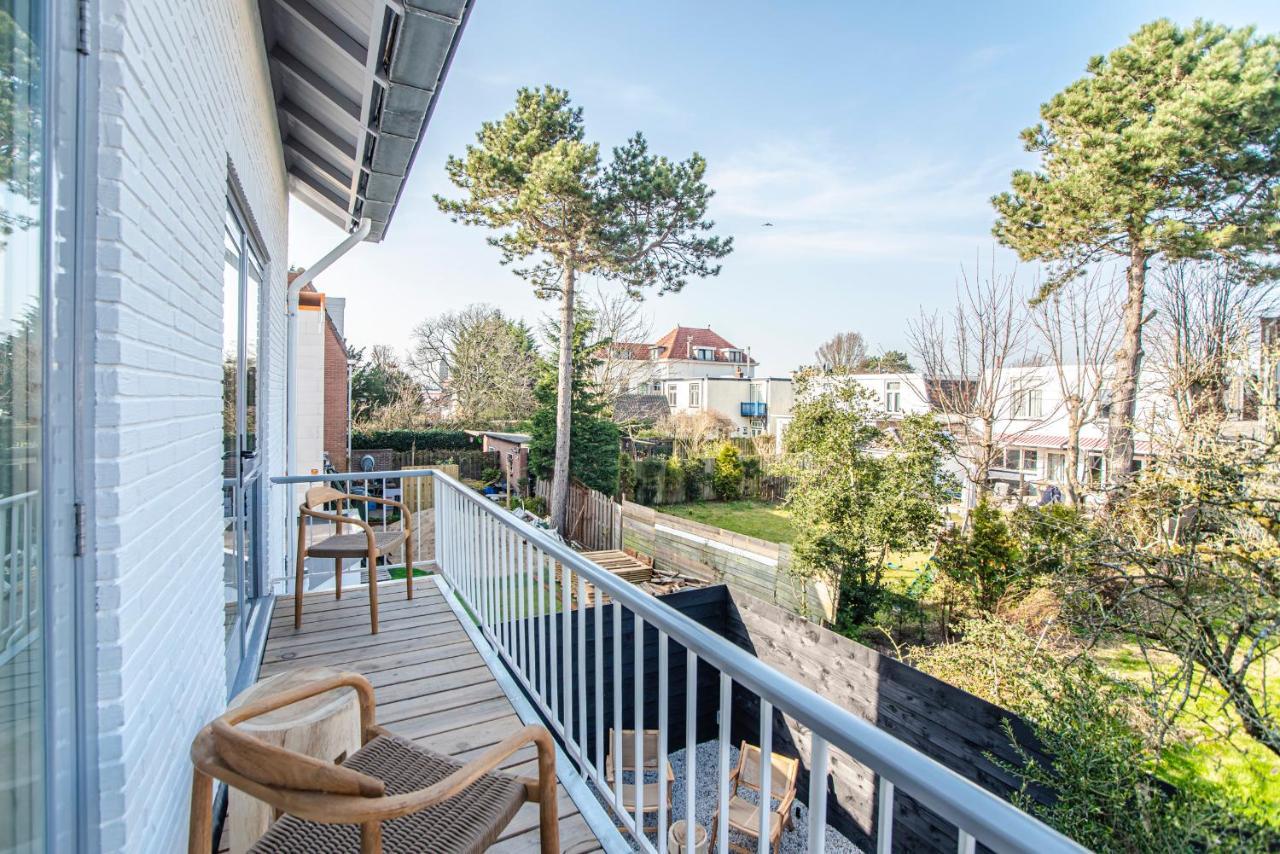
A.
pixel 291 362
pixel 291 356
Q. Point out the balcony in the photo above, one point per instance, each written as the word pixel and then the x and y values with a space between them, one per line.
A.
pixel 755 409
pixel 514 626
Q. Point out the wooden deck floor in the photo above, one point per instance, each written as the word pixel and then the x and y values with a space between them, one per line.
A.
pixel 431 684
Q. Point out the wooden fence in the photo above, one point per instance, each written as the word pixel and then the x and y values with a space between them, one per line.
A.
pixel 714 555
pixel 595 519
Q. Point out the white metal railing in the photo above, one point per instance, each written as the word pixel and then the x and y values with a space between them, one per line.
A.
pixel 503 571
pixel 19 572
pixel 412 487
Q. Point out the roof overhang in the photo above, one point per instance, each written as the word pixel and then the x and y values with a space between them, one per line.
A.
pixel 355 83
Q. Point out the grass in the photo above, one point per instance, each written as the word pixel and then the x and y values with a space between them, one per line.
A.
pixel 758 519
pixel 1214 750
pixel 772 522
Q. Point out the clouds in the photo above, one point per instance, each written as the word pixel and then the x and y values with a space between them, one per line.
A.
pixel 825 197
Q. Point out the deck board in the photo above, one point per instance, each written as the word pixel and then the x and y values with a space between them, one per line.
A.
pixel 431 683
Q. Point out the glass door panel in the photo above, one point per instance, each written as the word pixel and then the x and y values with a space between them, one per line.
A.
pixel 22 357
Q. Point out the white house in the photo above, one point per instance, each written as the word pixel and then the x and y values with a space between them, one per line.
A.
pixel 753 406
pixel 144 287
pixel 686 352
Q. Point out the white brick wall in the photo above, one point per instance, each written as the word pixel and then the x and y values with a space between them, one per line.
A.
pixel 184 92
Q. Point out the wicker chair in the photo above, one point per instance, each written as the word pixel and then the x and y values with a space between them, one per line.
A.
pixel 744 816
pixel 390 795
pixel 368 544
pixel 627 764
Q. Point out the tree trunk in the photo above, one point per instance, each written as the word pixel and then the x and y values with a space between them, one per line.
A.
pixel 1124 385
pixel 564 409
pixel 1072 462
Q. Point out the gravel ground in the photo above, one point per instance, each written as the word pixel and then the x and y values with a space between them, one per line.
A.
pixel 795 840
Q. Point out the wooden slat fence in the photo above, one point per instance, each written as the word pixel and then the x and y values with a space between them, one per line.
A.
pixel 595 519
pixel 714 555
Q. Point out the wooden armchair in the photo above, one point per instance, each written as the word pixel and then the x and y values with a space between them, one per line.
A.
pixel 368 544
pixel 627 764
pixel 390 795
pixel 744 816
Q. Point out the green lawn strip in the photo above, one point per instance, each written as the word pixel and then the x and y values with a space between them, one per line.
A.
pixel 758 519
pixel 397 572
pixel 1214 750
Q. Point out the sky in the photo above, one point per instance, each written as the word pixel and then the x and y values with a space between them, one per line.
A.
pixel 872 136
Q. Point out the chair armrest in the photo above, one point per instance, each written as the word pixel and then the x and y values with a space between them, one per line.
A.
pixel 362 686
pixel 334 517
pixel 390 501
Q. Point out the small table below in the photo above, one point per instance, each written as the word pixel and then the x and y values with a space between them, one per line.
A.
pixel 676 839
pixel 326 726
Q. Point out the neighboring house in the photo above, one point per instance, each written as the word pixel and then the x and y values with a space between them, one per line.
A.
pixel 753 407
pixel 145 287
pixel 323 424
pixel 686 352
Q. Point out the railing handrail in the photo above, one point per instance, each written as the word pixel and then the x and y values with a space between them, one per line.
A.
pixel 992 820
pixel 18 496
pixel 342 476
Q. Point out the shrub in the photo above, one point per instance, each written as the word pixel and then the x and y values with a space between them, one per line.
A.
pixel 626 475
pixel 984 557
pixel 695 478
pixel 650 473
pixel 404 440
pixel 728 475
pixel 1053 539
pixel 673 483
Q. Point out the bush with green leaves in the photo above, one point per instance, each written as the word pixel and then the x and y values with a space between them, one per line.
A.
pixel 1053 539
pixel 650 474
pixel 695 477
pixel 673 489
pixel 626 475
pixel 405 440
pixel 727 477
pixel 984 556
pixel 1104 793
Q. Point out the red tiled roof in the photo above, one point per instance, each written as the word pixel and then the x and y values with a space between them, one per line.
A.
pixel 680 343
pixel 630 350
pixel 1045 440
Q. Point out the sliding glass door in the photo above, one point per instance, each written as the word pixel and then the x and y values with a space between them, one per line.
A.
pixel 23 272
pixel 241 475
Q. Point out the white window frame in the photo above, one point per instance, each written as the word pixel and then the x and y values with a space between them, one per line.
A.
pixel 893 396
pixel 704 354
pixel 695 395
pixel 673 395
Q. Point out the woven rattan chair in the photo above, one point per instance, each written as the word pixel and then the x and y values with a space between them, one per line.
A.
pixel 744 816
pixel 390 795
pixel 367 544
pixel 627 765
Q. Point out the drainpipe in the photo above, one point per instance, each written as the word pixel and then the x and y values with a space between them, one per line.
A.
pixel 291 357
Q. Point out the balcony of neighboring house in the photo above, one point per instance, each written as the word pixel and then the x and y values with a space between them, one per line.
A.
pixel 753 409
pixel 511 626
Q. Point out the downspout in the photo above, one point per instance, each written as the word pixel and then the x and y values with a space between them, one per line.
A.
pixel 291 356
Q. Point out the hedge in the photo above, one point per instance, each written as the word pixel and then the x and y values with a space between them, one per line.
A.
pixel 404 440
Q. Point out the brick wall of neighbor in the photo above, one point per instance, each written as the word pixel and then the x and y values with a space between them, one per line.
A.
pixel 335 397
pixel 184 91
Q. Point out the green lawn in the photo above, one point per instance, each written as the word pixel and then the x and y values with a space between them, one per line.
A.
pixel 1214 749
pixel 771 522
pixel 397 572
pixel 758 519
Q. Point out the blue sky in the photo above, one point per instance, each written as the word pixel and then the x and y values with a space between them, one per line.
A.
pixel 871 136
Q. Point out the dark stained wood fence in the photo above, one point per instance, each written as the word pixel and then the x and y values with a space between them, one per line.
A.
pixel 959 730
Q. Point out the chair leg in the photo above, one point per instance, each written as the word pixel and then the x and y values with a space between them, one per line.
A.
pixel 408 564
pixel 297 584
pixel 715 825
pixel 371 837
pixel 373 591
pixel 337 577
pixel 200 831
pixel 548 818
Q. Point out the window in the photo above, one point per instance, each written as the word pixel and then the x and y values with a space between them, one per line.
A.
pixel 1028 403
pixel 1057 468
pixel 657 387
pixel 672 397
pixel 893 397
pixel 1019 459
pixel 734 356
pixel 654 352
pixel 695 395
pixel 1097 469
pixel 704 354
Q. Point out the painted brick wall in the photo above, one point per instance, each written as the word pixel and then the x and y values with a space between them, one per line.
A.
pixel 185 103
pixel 335 397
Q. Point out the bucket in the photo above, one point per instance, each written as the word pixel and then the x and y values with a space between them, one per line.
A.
pixel 676 839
